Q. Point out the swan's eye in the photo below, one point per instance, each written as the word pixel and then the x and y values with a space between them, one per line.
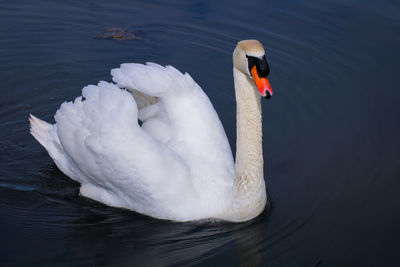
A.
pixel 259 70
pixel 260 63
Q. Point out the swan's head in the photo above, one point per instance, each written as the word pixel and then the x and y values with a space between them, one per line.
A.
pixel 249 58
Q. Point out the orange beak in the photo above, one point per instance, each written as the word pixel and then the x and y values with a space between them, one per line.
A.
pixel 262 84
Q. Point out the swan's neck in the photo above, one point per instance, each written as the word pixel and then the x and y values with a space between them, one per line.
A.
pixel 249 190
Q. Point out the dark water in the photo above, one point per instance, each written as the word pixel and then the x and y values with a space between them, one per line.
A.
pixel 331 131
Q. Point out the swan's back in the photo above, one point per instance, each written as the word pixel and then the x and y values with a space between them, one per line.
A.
pixel 177 166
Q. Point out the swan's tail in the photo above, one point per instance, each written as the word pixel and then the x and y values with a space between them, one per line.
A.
pixel 46 134
pixel 40 130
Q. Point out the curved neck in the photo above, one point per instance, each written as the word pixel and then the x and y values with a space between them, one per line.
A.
pixel 248 125
pixel 249 192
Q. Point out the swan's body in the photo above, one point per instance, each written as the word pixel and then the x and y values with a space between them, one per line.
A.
pixel 178 164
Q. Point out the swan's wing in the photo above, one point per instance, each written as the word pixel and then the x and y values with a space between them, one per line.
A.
pixel 188 119
pixel 143 100
pixel 152 79
pixel 122 165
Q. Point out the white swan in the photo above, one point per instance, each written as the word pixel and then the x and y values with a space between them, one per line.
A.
pixel 178 164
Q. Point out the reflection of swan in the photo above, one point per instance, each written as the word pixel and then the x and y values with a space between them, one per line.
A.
pixel 125 239
pixel 178 164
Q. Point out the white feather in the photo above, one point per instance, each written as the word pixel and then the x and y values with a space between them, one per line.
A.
pixel 177 166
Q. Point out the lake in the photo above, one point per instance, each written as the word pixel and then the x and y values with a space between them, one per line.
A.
pixel 331 130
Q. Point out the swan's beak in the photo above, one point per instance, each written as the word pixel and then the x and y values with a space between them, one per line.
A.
pixel 262 84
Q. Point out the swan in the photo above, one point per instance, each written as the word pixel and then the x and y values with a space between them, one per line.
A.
pixel 177 163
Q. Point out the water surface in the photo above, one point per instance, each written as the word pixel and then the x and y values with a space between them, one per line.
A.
pixel 331 130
